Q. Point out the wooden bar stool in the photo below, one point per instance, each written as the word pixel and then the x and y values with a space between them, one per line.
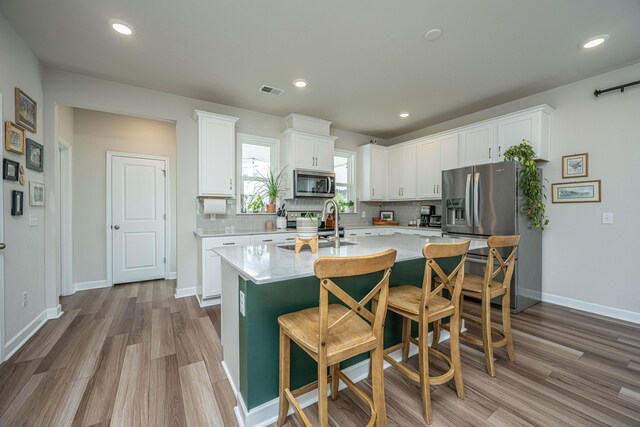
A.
pixel 486 288
pixel 332 333
pixel 426 305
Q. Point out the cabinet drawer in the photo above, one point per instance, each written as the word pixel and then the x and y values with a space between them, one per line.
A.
pixel 220 242
pixel 274 238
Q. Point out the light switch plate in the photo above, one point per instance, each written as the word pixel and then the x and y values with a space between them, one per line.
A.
pixel 364 214
pixel 242 303
pixel 607 218
pixel 33 220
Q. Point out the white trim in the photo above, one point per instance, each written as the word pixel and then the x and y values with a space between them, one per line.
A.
pixel 65 180
pixel 209 302
pixel 172 275
pixel 267 413
pixel 184 292
pixel 23 336
pixel 616 313
pixel 245 138
pixel 352 185
pixel 231 383
pixel 55 312
pixel 167 210
pixel 2 310
pixel 85 286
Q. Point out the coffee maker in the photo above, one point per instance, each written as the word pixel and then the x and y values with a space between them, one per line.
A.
pixel 426 212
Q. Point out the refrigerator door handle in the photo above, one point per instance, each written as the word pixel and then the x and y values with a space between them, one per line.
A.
pixel 468 199
pixel 476 199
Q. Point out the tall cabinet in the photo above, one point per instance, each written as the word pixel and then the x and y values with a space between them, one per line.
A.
pixel 435 155
pixel 372 172
pixel 402 180
pixel 216 154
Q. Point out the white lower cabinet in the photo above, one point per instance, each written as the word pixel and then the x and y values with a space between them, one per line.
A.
pixel 211 265
pixel 276 238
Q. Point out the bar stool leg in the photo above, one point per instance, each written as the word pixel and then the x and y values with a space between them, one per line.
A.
pixel 335 381
pixel 435 340
pixel 425 391
pixel 323 401
pixel 454 343
pixel 377 383
pixel 285 348
pixel 406 335
pixel 487 340
pixel 506 326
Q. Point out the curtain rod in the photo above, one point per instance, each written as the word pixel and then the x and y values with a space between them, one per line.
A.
pixel 599 92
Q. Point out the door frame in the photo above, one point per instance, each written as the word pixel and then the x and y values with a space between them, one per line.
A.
pixel 109 231
pixel 2 310
pixel 65 195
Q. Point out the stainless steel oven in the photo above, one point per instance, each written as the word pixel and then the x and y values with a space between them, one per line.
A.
pixel 314 184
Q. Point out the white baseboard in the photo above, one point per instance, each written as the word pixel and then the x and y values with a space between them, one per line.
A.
pixel 267 413
pixel 616 313
pixel 228 374
pixel 209 301
pixel 172 276
pixel 23 336
pixel 55 312
pixel 185 292
pixel 85 286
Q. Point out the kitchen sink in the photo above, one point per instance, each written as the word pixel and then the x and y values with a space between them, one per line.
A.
pixel 324 244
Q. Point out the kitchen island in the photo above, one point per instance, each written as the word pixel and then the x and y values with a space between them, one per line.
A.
pixel 262 282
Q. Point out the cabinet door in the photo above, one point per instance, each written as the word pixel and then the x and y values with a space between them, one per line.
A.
pixel 395 174
pixel 324 154
pixel 428 168
pixel 305 148
pixel 409 172
pixel 216 157
pixel 448 158
pixel 476 146
pixel 513 130
pixel 378 175
pixel 212 275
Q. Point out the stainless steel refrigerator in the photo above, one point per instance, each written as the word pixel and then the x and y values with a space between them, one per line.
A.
pixel 480 201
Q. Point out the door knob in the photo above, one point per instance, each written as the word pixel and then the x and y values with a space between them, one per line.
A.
pixel 2 246
pixel 117 227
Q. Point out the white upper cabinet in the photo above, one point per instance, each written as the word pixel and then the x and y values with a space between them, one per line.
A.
pixel 476 145
pixel 372 172
pixel 216 154
pixel 532 125
pixel 402 182
pixel 435 155
pixel 448 152
pixel 303 150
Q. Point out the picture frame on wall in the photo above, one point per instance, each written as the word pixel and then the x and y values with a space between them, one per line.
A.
pixel 36 193
pixel 575 166
pixel 10 170
pixel 14 138
pixel 387 215
pixel 35 155
pixel 17 202
pixel 576 192
pixel 26 111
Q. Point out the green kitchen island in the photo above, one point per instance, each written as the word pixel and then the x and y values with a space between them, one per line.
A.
pixel 262 282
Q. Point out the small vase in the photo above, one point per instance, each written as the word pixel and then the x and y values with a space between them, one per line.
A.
pixel 271 208
pixel 306 228
pixel 281 223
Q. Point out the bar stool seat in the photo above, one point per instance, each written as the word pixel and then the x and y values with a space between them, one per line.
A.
pixel 406 298
pixel 474 284
pixel 352 337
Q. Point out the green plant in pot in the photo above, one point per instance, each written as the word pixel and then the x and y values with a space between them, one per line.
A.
pixel 344 205
pixel 271 185
pixel 257 204
pixel 530 183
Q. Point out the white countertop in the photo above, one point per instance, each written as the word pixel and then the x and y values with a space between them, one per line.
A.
pixel 267 263
pixel 236 231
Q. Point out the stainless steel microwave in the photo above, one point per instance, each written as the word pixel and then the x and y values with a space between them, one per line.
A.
pixel 314 184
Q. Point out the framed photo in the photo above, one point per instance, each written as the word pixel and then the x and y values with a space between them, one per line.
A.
pixel 17 202
pixel 575 166
pixel 14 138
pixel 386 215
pixel 36 193
pixel 26 111
pixel 576 192
pixel 35 155
pixel 10 170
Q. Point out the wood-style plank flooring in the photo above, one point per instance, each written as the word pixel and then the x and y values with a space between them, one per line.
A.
pixel 134 355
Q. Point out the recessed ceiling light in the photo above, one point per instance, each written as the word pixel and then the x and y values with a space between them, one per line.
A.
pixel 595 41
pixel 122 27
pixel 404 115
pixel 433 34
pixel 300 83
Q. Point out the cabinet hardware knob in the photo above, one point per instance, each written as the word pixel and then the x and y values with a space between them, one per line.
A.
pixel 489 152
pixel 2 246
pixel 117 227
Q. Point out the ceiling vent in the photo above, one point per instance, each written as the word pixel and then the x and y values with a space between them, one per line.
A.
pixel 271 90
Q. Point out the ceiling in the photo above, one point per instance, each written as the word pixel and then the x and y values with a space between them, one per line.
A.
pixel 365 60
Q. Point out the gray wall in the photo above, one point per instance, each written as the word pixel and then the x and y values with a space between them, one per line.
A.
pixel 95 133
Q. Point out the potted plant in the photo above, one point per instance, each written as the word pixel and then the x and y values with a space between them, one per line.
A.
pixel 307 226
pixel 257 204
pixel 530 183
pixel 272 185
pixel 344 205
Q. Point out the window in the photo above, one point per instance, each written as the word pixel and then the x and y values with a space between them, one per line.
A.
pixel 343 162
pixel 256 155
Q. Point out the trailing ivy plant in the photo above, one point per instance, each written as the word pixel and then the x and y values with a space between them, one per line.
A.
pixel 530 183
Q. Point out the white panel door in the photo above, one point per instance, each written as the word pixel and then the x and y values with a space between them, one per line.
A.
pixel 409 172
pixel 513 130
pixel 324 154
pixel 138 219
pixel 395 174
pixel 2 248
pixel 428 168
pixel 305 149
pixel 477 145
pixel 217 156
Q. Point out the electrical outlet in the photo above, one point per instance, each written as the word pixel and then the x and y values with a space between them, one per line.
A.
pixel 25 301
pixel 607 218
pixel 242 303
pixel 364 214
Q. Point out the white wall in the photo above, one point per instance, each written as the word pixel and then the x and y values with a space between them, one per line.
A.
pixel 65 122
pixel 24 256
pixel 583 259
pixel 95 133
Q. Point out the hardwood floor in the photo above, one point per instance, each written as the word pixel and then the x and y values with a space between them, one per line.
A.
pixel 134 355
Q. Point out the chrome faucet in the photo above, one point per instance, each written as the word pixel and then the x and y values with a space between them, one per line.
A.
pixel 336 237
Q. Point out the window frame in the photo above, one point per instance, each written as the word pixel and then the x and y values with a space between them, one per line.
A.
pixel 244 138
pixel 351 166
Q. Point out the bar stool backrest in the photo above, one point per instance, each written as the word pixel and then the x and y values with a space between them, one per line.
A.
pixel 453 281
pixel 326 268
pixel 505 266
